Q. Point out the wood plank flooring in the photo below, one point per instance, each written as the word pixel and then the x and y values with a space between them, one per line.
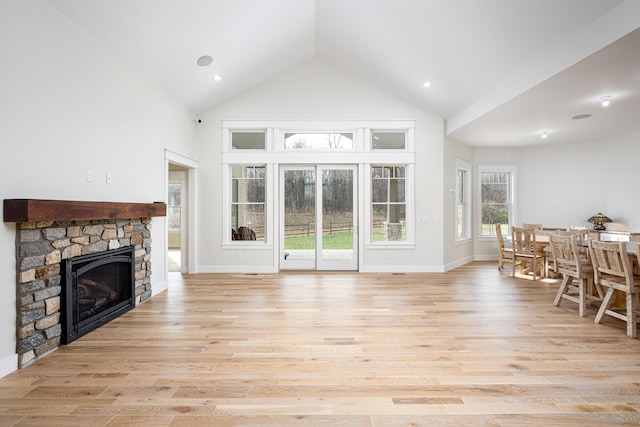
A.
pixel 472 347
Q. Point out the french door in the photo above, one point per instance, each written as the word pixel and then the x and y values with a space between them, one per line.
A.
pixel 318 217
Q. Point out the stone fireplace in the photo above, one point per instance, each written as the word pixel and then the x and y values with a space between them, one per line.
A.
pixel 48 235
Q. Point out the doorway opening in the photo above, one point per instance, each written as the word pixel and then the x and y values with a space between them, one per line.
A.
pixel 175 216
pixel 180 183
pixel 319 220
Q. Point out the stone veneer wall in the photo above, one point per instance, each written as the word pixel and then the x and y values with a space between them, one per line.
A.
pixel 40 248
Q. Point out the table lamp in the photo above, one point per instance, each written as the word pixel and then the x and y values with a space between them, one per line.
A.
pixel 599 220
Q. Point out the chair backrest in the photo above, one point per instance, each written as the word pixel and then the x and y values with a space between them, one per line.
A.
pixel 578 227
pixel 611 265
pixel 245 233
pixel 566 253
pixel 500 236
pixel 534 226
pixel 580 233
pixel 523 240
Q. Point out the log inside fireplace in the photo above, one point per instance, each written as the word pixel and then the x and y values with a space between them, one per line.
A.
pixel 96 289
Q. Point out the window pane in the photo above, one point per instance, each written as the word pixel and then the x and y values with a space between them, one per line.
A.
pixel 247 201
pixel 250 216
pixel 496 200
pixel 388 204
pixel 379 219
pixel 247 184
pixel 396 190
pixel 248 140
pixel 495 187
pixel 318 141
pixel 379 190
pixel 388 140
pixel 461 186
pixel 462 208
pixel 173 208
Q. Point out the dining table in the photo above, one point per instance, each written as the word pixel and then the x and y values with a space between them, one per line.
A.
pixel 542 241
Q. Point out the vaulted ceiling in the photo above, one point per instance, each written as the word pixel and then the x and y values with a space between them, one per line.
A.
pixel 502 72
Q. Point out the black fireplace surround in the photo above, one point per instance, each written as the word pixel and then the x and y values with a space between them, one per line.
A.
pixel 96 289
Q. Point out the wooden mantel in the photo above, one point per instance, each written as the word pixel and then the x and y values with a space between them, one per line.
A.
pixel 27 210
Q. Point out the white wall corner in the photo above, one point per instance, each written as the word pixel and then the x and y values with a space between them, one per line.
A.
pixel 458 263
pixel 8 365
pixel 157 288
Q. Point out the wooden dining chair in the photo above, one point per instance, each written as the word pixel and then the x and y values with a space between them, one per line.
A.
pixel 583 251
pixel 612 270
pixel 243 233
pixel 571 265
pixel 526 252
pixel 534 226
pixel 505 253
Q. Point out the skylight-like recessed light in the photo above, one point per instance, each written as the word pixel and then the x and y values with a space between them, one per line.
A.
pixel 205 60
pixel 427 84
pixel 217 78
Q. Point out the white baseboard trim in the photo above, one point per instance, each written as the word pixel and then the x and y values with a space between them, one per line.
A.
pixel 261 269
pixel 252 269
pixel 158 288
pixel 485 258
pixel 458 263
pixel 402 269
pixel 8 365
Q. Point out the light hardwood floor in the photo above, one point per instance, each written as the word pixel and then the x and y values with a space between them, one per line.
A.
pixel 472 347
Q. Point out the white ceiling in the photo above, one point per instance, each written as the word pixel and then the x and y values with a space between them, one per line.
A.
pixel 502 71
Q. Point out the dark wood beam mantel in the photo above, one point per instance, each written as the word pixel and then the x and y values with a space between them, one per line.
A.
pixel 28 210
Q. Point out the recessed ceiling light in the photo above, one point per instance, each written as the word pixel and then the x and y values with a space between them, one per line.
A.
pixel 581 116
pixel 427 84
pixel 544 135
pixel 217 78
pixel 606 100
pixel 205 60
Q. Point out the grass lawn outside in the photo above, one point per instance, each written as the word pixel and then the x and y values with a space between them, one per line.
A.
pixel 329 241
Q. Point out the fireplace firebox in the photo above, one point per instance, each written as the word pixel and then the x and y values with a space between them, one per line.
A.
pixel 96 289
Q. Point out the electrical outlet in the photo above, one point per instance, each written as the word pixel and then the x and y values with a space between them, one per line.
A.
pixel 109 178
pixel 89 175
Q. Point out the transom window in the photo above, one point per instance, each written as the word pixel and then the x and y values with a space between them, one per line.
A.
pixel 248 140
pixel 318 141
pixel 388 140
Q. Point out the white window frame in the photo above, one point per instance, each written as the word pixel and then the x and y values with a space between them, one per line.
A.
pixel 409 241
pixel 463 166
pixel 227 206
pixel 361 155
pixel 500 168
